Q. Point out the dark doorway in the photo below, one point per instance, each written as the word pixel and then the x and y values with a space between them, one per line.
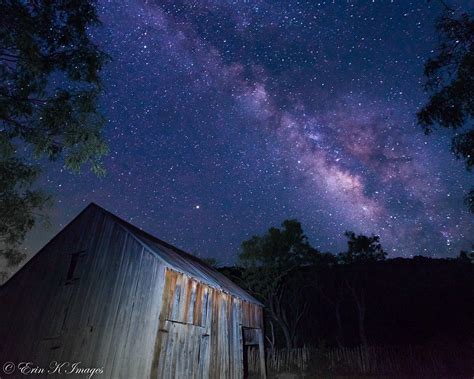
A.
pixel 250 343
pixel 246 361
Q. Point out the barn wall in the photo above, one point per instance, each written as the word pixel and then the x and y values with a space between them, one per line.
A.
pixel 96 295
pixel 104 313
pixel 200 331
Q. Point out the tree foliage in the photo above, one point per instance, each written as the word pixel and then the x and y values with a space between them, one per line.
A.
pixel 18 204
pixel 362 249
pixel 356 297
pixel 466 256
pixel 49 86
pixel 268 261
pixel 450 83
pixel 282 269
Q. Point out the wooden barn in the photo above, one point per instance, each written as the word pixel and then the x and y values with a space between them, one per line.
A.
pixel 110 296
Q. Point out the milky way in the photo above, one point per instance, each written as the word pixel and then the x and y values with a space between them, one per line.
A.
pixel 225 118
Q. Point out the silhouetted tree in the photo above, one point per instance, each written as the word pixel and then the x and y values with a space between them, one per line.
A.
pixel 450 83
pixel 210 261
pixel 312 297
pixel 466 256
pixel 268 262
pixel 362 251
pixel 331 289
pixel 49 86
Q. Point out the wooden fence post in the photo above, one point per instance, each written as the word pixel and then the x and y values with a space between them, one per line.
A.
pixel 261 348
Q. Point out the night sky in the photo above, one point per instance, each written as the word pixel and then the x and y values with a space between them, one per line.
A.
pixel 227 117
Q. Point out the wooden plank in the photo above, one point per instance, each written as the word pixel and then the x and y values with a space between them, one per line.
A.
pixel 116 309
pixel 261 348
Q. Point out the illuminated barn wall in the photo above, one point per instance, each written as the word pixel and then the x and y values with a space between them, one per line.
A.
pixel 110 296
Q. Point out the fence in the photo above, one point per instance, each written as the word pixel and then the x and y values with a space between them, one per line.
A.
pixel 419 361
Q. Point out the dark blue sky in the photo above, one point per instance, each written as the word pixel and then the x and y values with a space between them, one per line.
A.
pixel 227 117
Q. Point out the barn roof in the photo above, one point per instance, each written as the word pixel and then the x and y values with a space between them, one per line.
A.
pixel 181 261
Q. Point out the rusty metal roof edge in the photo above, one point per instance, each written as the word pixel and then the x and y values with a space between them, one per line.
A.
pixel 127 227
pixel 219 288
pixel 183 272
pixel 173 267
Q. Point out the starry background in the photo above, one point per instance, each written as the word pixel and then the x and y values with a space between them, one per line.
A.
pixel 227 117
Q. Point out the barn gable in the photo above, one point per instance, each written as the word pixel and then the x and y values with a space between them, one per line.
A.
pixel 91 294
pixel 171 256
pixel 107 294
pixel 183 262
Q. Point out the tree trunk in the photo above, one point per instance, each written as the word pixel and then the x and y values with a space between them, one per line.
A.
pixel 359 300
pixel 336 304
pixel 286 332
pixel 275 312
pixel 339 334
pixel 361 322
pixel 271 340
pixel 362 335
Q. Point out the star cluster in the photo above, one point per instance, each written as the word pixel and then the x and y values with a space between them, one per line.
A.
pixel 227 117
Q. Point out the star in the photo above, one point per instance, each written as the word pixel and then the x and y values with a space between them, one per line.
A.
pixel 266 113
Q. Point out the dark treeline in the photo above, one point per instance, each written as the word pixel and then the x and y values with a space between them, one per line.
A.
pixel 356 297
pixel 407 301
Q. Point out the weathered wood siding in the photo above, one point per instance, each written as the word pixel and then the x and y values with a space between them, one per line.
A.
pixel 97 295
pixel 200 332
pixel 104 316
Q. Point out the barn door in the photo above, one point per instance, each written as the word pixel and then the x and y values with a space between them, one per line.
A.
pixel 184 351
pixel 252 339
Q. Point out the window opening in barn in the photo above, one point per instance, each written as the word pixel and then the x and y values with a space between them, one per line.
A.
pixel 70 278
